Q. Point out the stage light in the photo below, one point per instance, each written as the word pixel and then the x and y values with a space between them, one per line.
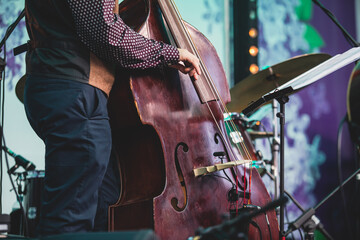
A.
pixel 246 33
pixel 253 51
pixel 254 68
pixel 253 32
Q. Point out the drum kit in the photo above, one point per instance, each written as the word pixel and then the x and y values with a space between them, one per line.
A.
pixel 254 87
pixel 243 94
pixel 29 187
pixel 294 74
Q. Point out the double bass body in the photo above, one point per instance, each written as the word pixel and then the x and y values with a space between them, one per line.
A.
pixel 161 132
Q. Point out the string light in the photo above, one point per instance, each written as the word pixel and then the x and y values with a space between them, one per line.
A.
pixel 253 41
pixel 253 33
pixel 246 35
pixel 253 51
pixel 254 68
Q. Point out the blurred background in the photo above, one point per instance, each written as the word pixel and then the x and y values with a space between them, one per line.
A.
pixel 249 35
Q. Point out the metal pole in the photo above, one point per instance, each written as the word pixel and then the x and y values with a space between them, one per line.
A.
pixel 281 115
pixel 275 151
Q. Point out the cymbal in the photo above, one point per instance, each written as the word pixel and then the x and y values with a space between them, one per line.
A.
pixel 255 86
pixel 19 89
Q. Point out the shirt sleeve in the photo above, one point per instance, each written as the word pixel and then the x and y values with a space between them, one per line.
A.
pixel 107 36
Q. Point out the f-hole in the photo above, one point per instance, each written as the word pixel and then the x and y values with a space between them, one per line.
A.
pixel 174 200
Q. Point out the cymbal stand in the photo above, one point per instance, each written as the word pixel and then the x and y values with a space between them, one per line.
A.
pixel 275 151
pixel 282 98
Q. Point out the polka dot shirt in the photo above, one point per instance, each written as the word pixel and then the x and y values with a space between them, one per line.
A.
pixel 105 34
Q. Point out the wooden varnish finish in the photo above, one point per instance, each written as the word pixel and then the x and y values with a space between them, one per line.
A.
pixel 161 132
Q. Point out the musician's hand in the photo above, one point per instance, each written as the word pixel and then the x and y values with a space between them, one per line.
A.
pixel 189 64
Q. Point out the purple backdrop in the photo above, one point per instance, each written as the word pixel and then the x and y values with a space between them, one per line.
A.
pixel 326 123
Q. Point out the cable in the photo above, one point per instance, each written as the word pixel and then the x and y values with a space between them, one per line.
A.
pixel 301 235
pixel 347 36
pixel 229 179
pixel 339 141
pixel 357 193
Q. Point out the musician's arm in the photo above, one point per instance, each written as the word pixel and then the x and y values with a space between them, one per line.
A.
pixel 105 34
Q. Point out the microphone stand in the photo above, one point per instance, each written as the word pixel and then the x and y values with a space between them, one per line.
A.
pixel 310 225
pixel 9 31
pixel 282 97
pixel 232 229
pixel 308 221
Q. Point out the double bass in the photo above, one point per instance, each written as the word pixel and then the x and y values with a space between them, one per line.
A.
pixel 178 169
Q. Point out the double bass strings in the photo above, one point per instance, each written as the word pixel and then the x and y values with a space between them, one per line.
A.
pixel 241 147
pixel 176 18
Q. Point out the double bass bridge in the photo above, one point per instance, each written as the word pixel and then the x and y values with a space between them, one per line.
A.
pixel 202 171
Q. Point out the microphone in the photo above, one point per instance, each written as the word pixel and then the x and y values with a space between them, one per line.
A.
pixel 20 160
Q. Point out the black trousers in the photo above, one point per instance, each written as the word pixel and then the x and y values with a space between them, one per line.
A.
pixel 72 120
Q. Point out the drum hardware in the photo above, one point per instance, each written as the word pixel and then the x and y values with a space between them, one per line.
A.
pixel 259 154
pixel 260 166
pixel 4 223
pixel 18 213
pixel 252 125
pixel 301 81
pixel 282 98
pixel 29 188
pixel 259 134
pixel 18 216
pixel 30 185
pixel 275 146
pixel 242 124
